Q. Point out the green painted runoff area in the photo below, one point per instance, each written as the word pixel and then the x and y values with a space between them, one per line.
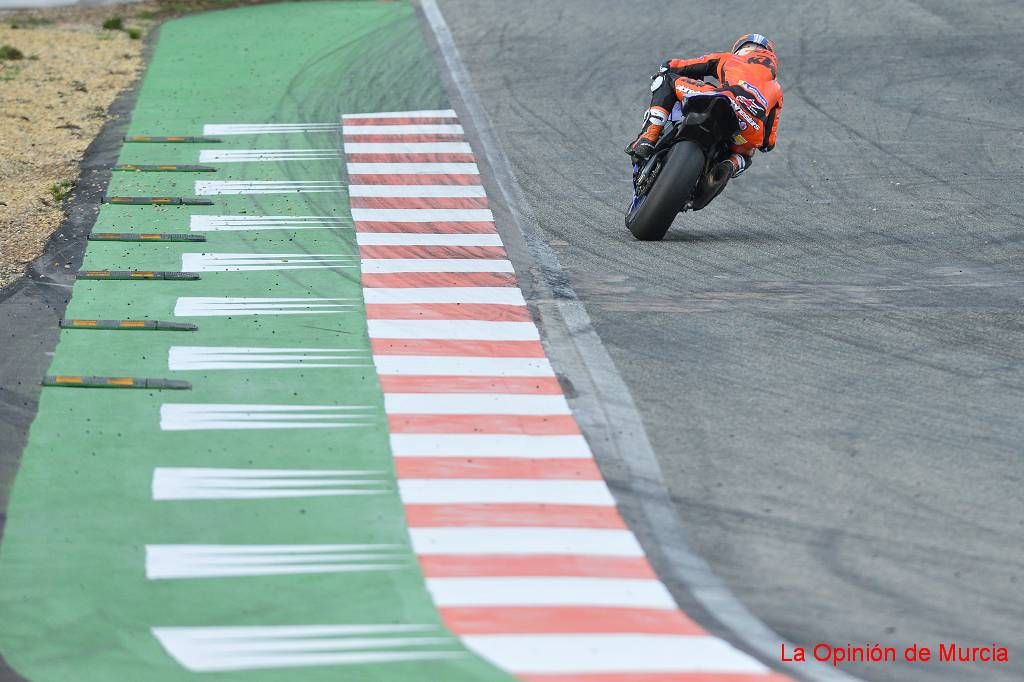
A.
pixel 75 603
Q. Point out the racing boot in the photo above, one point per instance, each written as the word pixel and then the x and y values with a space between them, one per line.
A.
pixel 739 163
pixel 642 148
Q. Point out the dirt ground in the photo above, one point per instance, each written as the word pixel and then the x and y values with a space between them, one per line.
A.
pixel 53 102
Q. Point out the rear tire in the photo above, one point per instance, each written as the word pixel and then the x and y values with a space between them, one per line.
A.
pixel 672 188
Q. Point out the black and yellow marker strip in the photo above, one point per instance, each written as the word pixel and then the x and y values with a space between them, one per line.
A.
pixel 145 237
pixel 171 138
pixel 158 201
pixel 73 381
pixel 151 325
pixel 164 168
pixel 136 274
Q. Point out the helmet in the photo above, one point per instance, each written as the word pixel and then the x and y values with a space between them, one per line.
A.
pixel 755 38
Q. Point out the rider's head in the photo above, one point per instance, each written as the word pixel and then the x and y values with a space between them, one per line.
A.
pixel 752 41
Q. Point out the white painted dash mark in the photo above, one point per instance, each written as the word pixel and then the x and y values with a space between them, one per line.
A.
pixel 266 155
pixel 184 358
pixel 189 483
pixel 238 262
pixel 220 649
pixel 208 306
pixel 215 187
pixel 268 128
pixel 222 416
pixel 238 223
pixel 166 562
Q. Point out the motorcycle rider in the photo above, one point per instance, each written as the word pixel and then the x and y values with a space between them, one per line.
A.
pixel 747 75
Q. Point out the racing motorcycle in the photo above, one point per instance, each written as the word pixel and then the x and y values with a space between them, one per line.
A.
pixel 684 173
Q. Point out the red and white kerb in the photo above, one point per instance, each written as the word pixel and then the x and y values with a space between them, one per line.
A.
pixel 524 552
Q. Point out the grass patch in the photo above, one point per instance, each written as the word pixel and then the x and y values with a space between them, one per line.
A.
pixel 60 190
pixel 133 33
pixel 9 73
pixel 8 53
pixel 114 24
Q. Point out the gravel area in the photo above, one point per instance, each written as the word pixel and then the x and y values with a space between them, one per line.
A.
pixel 53 102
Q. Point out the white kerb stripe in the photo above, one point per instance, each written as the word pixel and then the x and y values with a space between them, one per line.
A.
pixel 504 491
pixel 444 191
pixel 407 148
pixel 432 365
pixel 412 168
pixel 413 129
pixel 426 113
pixel 525 541
pixel 550 591
pixel 490 445
pixel 453 330
pixel 475 403
pixel 493 295
pixel 424 215
pixel 378 266
pixel 608 654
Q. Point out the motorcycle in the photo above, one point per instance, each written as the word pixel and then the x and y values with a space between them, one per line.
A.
pixel 684 173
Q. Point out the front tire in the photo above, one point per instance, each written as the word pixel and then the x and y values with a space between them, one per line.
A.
pixel 651 218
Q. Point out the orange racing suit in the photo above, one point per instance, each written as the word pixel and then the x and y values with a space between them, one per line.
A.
pixel 749 80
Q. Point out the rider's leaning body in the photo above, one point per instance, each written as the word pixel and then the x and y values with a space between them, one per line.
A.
pixel 747 75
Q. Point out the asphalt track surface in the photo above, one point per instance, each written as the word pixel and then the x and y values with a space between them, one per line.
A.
pixel 828 360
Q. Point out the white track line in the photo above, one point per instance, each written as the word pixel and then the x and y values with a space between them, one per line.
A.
pixel 490 445
pixel 423 215
pixel 475 403
pixel 394 265
pixel 412 169
pixel 417 191
pixel 492 295
pixel 412 129
pixel 428 113
pixel 525 541
pixel 407 148
pixel 550 591
pixel 459 330
pixel 504 491
pixel 430 365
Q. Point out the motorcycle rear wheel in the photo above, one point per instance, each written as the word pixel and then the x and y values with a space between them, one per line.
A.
pixel 650 218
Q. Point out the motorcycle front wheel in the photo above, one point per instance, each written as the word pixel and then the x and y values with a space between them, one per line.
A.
pixel 650 216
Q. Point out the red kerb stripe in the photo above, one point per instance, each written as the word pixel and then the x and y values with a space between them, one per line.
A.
pixel 418 202
pixel 512 516
pixel 419 137
pixel 497 467
pixel 495 349
pixel 493 252
pixel 513 620
pixel 440 279
pixel 546 425
pixel 435 157
pixel 436 227
pixel 470 384
pixel 404 121
pixel 512 566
